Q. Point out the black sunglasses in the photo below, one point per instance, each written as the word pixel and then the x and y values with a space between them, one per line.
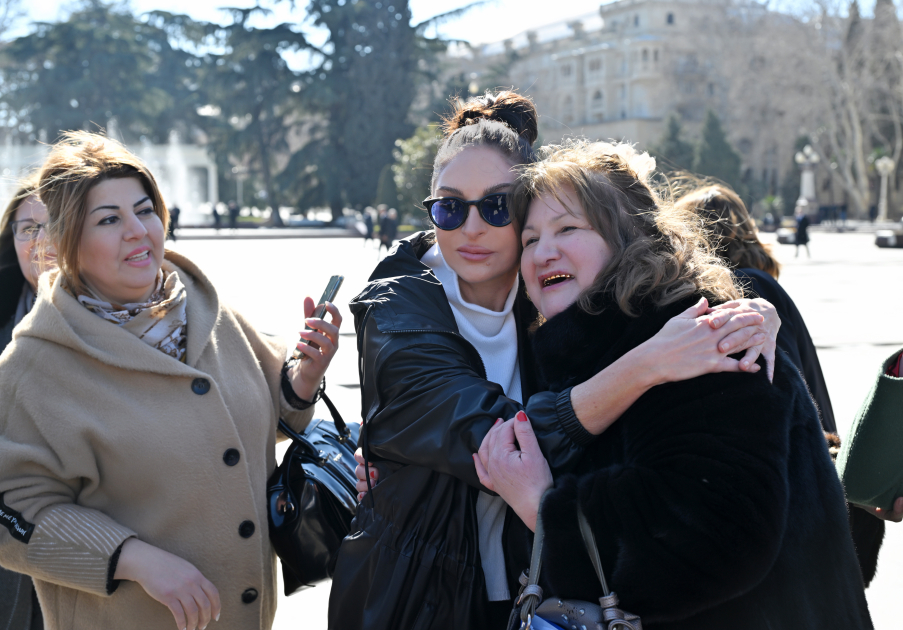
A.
pixel 450 213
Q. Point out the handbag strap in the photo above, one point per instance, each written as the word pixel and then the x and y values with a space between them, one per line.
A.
pixel 530 595
pixel 337 420
pixel 589 540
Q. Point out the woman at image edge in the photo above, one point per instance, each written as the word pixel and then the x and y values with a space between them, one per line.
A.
pixel 441 335
pixel 21 242
pixel 138 417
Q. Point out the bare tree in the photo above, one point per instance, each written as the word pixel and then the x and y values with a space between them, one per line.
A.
pixel 856 62
pixel 11 11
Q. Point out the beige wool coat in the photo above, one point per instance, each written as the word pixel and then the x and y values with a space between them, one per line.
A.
pixel 103 437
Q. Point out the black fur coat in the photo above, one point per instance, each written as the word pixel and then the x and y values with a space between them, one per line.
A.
pixel 714 501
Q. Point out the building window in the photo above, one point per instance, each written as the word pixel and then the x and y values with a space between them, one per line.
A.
pixel 645 55
pixel 595 65
pixel 655 56
pixel 670 18
pixel 636 20
pixel 568 110
pixel 711 89
pixel 566 70
pixel 597 106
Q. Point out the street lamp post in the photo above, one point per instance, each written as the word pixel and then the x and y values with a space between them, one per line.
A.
pixel 885 167
pixel 807 159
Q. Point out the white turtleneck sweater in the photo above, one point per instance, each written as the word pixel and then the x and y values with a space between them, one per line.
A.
pixel 494 335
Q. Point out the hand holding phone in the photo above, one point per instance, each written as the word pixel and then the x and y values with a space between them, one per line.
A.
pixel 332 288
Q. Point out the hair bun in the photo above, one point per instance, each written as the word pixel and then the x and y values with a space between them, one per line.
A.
pixel 510 108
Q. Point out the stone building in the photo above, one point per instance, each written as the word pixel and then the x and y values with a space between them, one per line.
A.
pixel 620 72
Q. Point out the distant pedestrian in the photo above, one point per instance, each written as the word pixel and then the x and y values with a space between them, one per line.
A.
pixel 802 228
pixel 234 211
pixel 174 213
pixel 388 229
pixel 368 224
pixel 217 221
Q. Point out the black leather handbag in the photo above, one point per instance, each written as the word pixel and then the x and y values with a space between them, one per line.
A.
pixel 312 499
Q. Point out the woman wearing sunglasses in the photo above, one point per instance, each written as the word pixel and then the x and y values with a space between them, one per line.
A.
pixel 442 342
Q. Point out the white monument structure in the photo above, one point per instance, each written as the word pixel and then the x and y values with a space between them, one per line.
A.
pixel 186 174
pixel 807 159
pixel 885 167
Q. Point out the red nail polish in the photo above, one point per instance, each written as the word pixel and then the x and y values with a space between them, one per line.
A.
pixel 372 474
pixel 521 416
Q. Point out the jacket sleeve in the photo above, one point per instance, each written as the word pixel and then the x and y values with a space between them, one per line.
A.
pixel 43 533
pixel 424 404
pixel 696 512
pixel 271 352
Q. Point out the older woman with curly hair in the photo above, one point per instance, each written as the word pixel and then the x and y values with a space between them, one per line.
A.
pixel 713 501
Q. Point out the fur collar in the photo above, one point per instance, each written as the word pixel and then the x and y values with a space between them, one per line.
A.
pixel 575 345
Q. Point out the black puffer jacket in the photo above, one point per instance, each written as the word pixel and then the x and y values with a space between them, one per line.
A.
pixel 714 501
pixel 412 560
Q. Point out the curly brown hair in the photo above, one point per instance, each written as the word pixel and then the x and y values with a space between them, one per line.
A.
pixel 77 163
pixel 660 253
pixel 732 231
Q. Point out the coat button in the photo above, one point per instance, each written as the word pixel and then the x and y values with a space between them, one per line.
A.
pixel 246 529
pixel 231 456
pixel 249 595
pixel 200 386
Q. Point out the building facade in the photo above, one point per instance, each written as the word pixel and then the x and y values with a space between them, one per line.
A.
pixel 620 72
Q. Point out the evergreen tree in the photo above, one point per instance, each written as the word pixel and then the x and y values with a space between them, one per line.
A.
pixel 386 192
pixel 715 157
pixel 413 167
pixel 673 153
pixel 362 91
pixel 254 93
pixel 100 63
pixel 854 25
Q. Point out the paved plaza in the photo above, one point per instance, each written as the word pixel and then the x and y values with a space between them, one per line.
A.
pixel 849 293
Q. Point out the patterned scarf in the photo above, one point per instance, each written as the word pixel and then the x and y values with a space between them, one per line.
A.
pixel 160 322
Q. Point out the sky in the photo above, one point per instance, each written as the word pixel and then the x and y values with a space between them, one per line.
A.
pixel 494 22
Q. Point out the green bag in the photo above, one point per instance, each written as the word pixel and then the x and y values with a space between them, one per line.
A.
pixel 870 463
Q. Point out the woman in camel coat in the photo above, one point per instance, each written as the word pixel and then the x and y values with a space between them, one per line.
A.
pixel 133 464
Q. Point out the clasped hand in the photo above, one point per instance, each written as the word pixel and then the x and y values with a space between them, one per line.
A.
pixel 510 464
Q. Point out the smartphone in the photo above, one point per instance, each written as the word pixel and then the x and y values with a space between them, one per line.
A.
pixel 329 294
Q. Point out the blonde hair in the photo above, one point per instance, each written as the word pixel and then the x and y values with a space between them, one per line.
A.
pixel 660 253
pixel 732 231
pixel 77 163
